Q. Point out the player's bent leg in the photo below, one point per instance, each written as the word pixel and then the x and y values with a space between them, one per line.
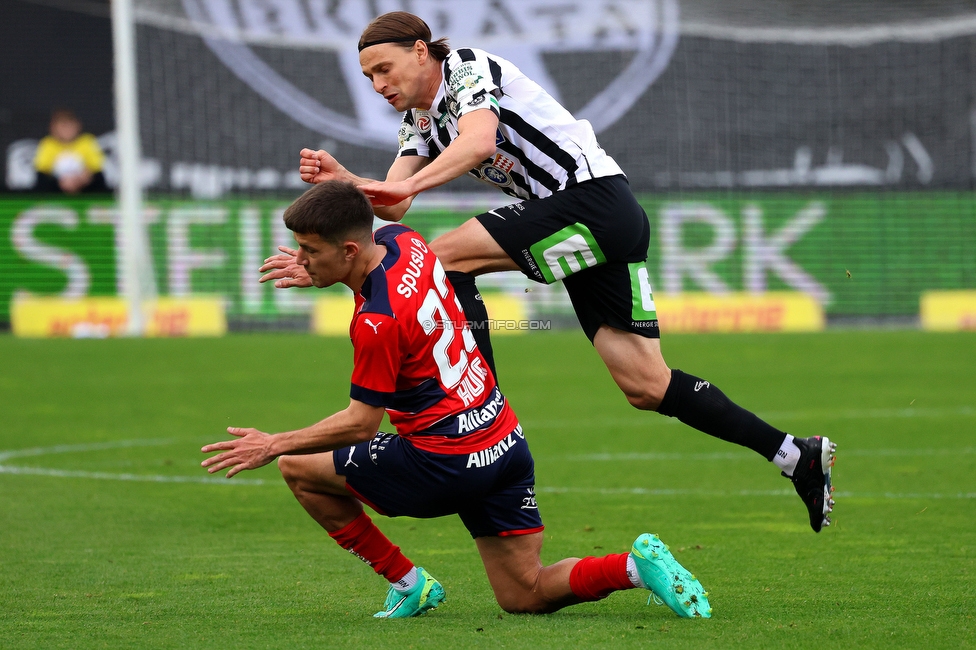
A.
pixel 323 493
pixel 636 365
pixel 313 480
pixel 469 248
pixel 520 583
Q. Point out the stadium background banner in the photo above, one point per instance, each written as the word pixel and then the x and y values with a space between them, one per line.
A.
pixel 687 94
pixel 857 254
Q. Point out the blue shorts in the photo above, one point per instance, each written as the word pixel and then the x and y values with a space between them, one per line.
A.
pixel 493 490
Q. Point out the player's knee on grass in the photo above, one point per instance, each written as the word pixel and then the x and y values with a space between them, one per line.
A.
pixel 525 601
pixel 535 591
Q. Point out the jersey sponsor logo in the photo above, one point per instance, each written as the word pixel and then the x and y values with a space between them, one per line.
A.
pixel 643 323
pixel 408 281
pixel 489 456
pixel 643 308
pixel 649 28
pixel 481 417
pixel 568 251
pixel 471 82
pixel 423 121
pixel 460 75
pixel 377 445
pixel 404 135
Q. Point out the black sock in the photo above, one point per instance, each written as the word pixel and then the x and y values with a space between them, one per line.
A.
pixel 474 308
pixel 703 406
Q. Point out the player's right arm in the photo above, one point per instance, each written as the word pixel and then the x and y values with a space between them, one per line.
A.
pixel 251 448
pixel 318 166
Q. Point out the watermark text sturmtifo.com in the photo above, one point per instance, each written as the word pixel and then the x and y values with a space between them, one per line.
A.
pixel 496 324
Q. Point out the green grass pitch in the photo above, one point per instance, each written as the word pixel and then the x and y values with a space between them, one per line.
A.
pixel 90 560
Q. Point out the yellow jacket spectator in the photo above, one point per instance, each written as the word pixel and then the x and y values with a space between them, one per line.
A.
pixel 69 160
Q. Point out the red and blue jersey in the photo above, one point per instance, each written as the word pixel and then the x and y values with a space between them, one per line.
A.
pixel 414 353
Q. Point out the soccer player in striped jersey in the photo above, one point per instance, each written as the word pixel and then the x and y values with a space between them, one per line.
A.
pixel 459 449
pixel 469 112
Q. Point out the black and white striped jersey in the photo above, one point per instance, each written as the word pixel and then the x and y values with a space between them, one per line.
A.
pixel 540 148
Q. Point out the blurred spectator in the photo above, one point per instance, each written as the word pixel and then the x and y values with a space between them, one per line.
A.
pixel 68 160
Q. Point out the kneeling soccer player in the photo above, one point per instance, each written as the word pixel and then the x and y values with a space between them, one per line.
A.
pixel 459 448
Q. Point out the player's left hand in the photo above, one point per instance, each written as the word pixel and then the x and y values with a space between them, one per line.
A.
pixel 285 270
pixel 250 450
pixel 383 193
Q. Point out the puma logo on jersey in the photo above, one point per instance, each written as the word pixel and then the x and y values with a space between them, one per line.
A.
pixel 375 331
pixel 350 461
pixel 700 385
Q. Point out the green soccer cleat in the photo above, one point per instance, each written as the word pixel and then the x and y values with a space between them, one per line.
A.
pixel 426 594
pixel 670 583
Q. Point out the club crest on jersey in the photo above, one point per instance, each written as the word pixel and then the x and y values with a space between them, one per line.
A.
pixel 423 121
pixel 503 163
pixel 495 175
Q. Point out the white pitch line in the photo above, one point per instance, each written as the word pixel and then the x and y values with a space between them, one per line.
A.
pixel 143 478
pixel 751 493
pixel 91 446
pixel 220 480
pixel 214 480
pixel 742 455
pixel 641 419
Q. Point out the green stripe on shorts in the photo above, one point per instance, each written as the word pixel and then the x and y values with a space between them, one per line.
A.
pixel 567 251
pixel 640 290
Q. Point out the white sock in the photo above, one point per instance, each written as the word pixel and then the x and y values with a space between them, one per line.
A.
pixel 635 578
pixel 788 456
pixel 407 582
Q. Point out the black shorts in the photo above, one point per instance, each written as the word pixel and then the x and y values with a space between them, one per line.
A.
pixel 593 236
pixel 493 490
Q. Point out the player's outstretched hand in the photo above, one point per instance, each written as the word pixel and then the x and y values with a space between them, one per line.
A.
pixel 284 270
pixel 250 450
pixel 318 166
pixel 383 193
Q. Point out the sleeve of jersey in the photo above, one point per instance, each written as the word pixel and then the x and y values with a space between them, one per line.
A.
pixel 376 359
pixel 409 138
pixel 471 84
pixel 44 158
pixel 92 153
